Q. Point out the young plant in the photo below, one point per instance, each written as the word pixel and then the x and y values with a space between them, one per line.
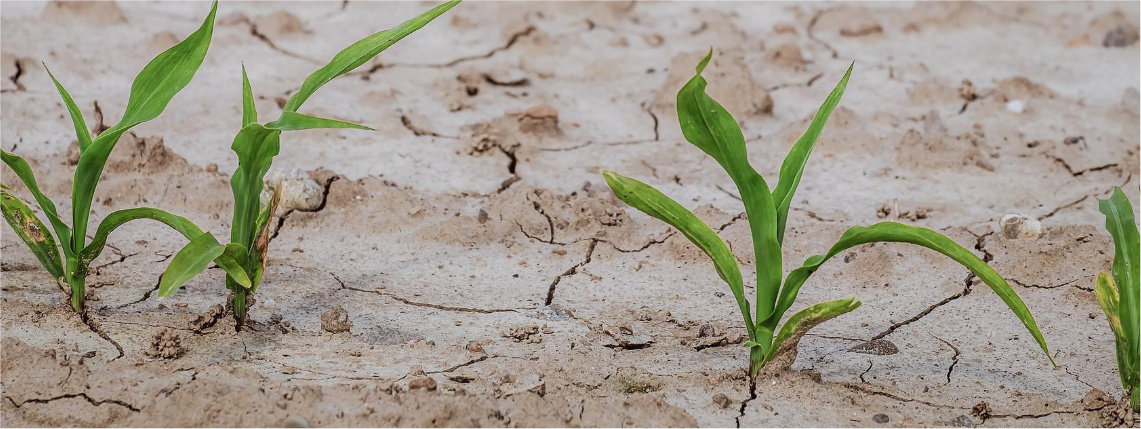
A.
pixel 256 145
pixel 152 90
pixel 1118 294
pixel 712 129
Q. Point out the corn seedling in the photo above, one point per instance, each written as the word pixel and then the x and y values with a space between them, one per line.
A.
pixel 152 90
pixel 1117 294
pixel 256 145
pixel 707 125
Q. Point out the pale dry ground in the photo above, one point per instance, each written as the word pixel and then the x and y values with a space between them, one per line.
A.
pixel 472 237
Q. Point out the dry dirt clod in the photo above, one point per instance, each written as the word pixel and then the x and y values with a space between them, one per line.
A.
pixel 1019 226
pixel 981 410
pixel 298 190
pixel 523 334
pixel 166 344
pixel 722 401
pixel 426 383
pixel 1119 414
pixel 336 320
pixel 707 330
pixel 1121 36
pixel 208 319
pixel 880 347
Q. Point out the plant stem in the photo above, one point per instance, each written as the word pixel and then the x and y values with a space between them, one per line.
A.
pixel 756 361
pixel 78 292
pixel 239 307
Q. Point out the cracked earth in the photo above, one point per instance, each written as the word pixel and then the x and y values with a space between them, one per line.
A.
pixel 491 278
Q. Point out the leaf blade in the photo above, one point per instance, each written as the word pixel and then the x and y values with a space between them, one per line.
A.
pixel 707 125
pixel 82 135
pixel 1122 226
pixel 256 146
pixel 793 166
pixel 249 109
pixel 804 320
pixel 652 202
pixel 192 259
pixel 897 232
pixel 32 232
pixel 117 218
pixel 360 52
pixel 158 82
pixel 24 172
pixel 293 121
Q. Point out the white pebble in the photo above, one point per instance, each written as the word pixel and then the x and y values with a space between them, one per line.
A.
pixel 298 190
pixel 1016 106
pixel 1018 226
pixel 268 303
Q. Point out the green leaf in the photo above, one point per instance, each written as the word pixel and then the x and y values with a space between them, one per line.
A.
pixel 29 228
pixel 249 109
pixel 82 135
pixel 707 125
pixel 793 166
pixel 1109 298
pixel 293 121
pixel 897 232
pixel 193 259
pixel 652 202
pixel 24 172
pixel 804 320
pixel 152 90
pixel 360 52
pixel 255 146
pixel 116 219
pixel 1121 224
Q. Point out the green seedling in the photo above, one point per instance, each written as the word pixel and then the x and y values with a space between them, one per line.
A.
pixel 1118 294
pixel 256 145
pixel 712 129
pixel 153 89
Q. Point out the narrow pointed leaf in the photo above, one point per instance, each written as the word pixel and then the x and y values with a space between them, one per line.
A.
pixel 652 202
pixel 293 121
pixel 151 91
pixel 24 172
pixel 193 259
pixel 116 219
pixel 707 125
pixel 804 320
pixel 32 232
pixel 1109 299
pixel 897 232
pixel 360 52
pixel 793 166
pixel 82 135
pixel 249 109
pixel 1121 224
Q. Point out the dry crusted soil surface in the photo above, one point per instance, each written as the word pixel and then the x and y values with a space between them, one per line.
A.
pixel 492 279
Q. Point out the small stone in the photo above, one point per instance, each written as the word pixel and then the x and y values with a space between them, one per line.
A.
pixel 1016 106
pixel 1020 226
pixel 426 383
pixel 211 168
pixel 1121 36
pixel 474 347
pixel 298 191
pixel 962 421
pixel 880 418
pixel 336 320
pixel 722 401
pixel 295 422
pixel 707 330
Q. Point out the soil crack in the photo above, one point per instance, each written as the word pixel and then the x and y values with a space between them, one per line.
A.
pixel 407 301
pixel 570 272
pixel 83 396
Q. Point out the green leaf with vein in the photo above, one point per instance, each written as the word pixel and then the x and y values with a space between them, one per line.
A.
pixel 293 121
pixel 793 166
pixel 1119 297
pixel 82 135
pixel 652 202
pixel 193 259
pixel 249 109
pixel 32 232
pixel 153 88
pixel 707 125
pixel 360 52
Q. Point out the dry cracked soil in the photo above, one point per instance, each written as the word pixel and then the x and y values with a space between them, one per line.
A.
pixel 485 274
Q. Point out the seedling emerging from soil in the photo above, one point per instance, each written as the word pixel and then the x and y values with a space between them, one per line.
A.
pixel 712 129
pixel 1118 294
pixel 256 145
pixel 152 90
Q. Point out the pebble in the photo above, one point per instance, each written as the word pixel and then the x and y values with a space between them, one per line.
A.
pixel 298 190
pixel 426 383
pixel 722 401
pixel 295 422
pixel 1019 226
pixel 1123 35
pixel 880 418
pixel 336 320
pixel 1016 106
